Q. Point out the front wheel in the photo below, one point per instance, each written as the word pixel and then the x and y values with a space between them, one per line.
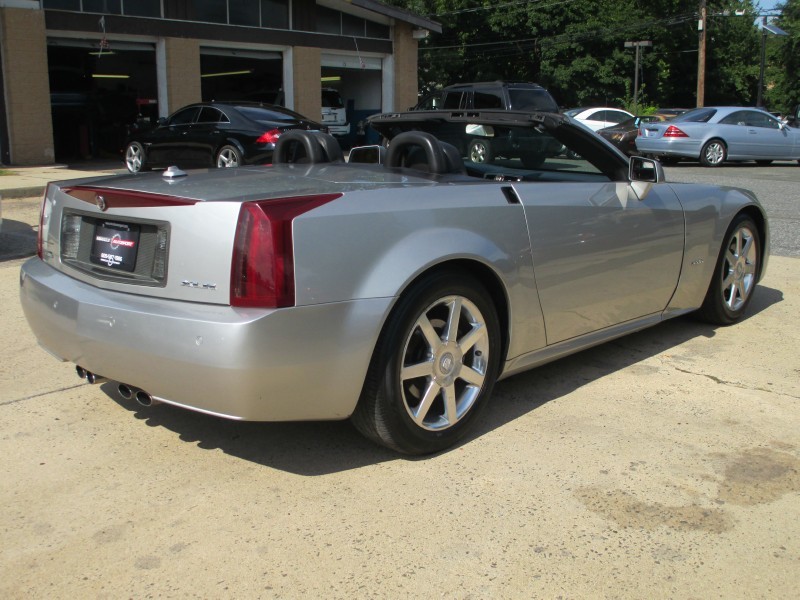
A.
pixel 735 274
pixel 434 366
pixel 480 151
pixel 227 157
pixel 134 158
pixel 713 153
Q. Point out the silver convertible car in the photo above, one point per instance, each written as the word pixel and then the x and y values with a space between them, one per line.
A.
pixel 714 135
pixel 393 289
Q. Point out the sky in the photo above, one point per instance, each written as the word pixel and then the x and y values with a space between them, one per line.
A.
pixel 769 5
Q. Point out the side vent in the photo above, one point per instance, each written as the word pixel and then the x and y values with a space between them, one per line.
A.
pixel 510 194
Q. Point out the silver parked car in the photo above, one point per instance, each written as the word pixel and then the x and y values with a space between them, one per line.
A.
pixel 394 289
pixel 714 135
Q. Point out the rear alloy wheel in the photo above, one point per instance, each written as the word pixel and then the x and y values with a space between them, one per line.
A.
pixel 227 157
pixel 480 152
pixel 713 153
pixel 434 366
pixel 134 157
pixel 735 275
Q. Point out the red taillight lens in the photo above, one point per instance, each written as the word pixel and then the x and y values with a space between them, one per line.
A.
pixel 674 132
pixel 262 269
pixel 269 137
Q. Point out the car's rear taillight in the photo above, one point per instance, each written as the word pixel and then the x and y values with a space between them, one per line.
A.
pixel 674 132
pixel 262 268
pixel 269 137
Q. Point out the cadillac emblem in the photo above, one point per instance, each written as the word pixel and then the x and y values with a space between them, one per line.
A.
pixel 101 202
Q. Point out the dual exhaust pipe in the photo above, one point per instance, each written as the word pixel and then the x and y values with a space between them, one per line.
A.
pixel 128 392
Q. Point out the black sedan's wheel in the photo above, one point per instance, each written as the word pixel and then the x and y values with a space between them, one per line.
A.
pixel 135 158
pixel 713 153
pixel 434 366
pixel 228 156
pixel 735 275
pixel 480 151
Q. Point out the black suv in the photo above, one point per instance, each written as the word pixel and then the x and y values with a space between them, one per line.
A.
pixel 484 144
pixel 490 95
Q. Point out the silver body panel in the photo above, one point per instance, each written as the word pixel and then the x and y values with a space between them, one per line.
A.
pixel 577 263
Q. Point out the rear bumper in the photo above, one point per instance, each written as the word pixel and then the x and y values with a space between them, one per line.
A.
pixel 302 363
pixel 678 147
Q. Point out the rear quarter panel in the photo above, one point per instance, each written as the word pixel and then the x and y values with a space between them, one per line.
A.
pixel 375 244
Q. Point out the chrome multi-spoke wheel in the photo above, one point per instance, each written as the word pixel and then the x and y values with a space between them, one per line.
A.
pixel 713 153
pixel 736 273
pixel 739 263
pixel 480 152
pixel 227 157
pixel 444 363
pixel 134 157
pixel 434 366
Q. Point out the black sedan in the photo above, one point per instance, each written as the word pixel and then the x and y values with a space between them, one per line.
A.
pixel 623 135
pixel 214 134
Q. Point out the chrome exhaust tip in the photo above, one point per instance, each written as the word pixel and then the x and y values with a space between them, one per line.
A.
pixel 126 391
pixel 94 378
pixel 80 371
pixel 145 399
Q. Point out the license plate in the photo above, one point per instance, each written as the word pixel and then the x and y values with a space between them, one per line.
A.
pixel 115 245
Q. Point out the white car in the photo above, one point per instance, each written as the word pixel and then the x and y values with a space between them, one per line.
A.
pixel 598 117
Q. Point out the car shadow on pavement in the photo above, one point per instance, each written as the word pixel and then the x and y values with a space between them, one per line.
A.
pixel 17 240
pixel 320 448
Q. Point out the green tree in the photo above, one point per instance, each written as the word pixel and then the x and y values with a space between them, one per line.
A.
pixel 783 73
pixel 576 48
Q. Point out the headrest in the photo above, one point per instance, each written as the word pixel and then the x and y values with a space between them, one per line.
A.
pixel 299 146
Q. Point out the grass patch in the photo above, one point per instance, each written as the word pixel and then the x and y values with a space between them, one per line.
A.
pixel 6 172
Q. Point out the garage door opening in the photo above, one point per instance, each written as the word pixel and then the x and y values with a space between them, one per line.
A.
pixel 98 95
pixel 241 75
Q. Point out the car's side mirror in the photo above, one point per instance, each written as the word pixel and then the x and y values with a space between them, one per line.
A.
pixel 645 169
pixel 373 155
pixel 643 173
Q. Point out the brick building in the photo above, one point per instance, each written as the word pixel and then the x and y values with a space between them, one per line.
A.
pixel 78 74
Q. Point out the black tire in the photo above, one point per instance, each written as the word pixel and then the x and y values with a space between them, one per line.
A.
pixel 135 158
pixel 393 410
pixel 480 151
pixel 227 157
pixel 533 160
pixel 714 153
pixel 735 274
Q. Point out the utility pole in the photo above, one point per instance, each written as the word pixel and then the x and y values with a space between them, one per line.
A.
pixel 701 55
pixel 638 46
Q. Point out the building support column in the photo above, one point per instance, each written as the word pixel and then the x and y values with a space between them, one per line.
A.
pixel 406 87
pixel 26 87
pixel 181 73
pixel 306 74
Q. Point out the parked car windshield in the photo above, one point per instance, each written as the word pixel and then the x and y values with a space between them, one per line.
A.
pixel 698 115
pixel 331 99
pixel 532 100
pixel 266 115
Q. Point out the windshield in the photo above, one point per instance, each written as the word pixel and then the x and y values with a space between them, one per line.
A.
pixel 331 99
pixel 266 115
pixel 532 100
pixel 698 115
